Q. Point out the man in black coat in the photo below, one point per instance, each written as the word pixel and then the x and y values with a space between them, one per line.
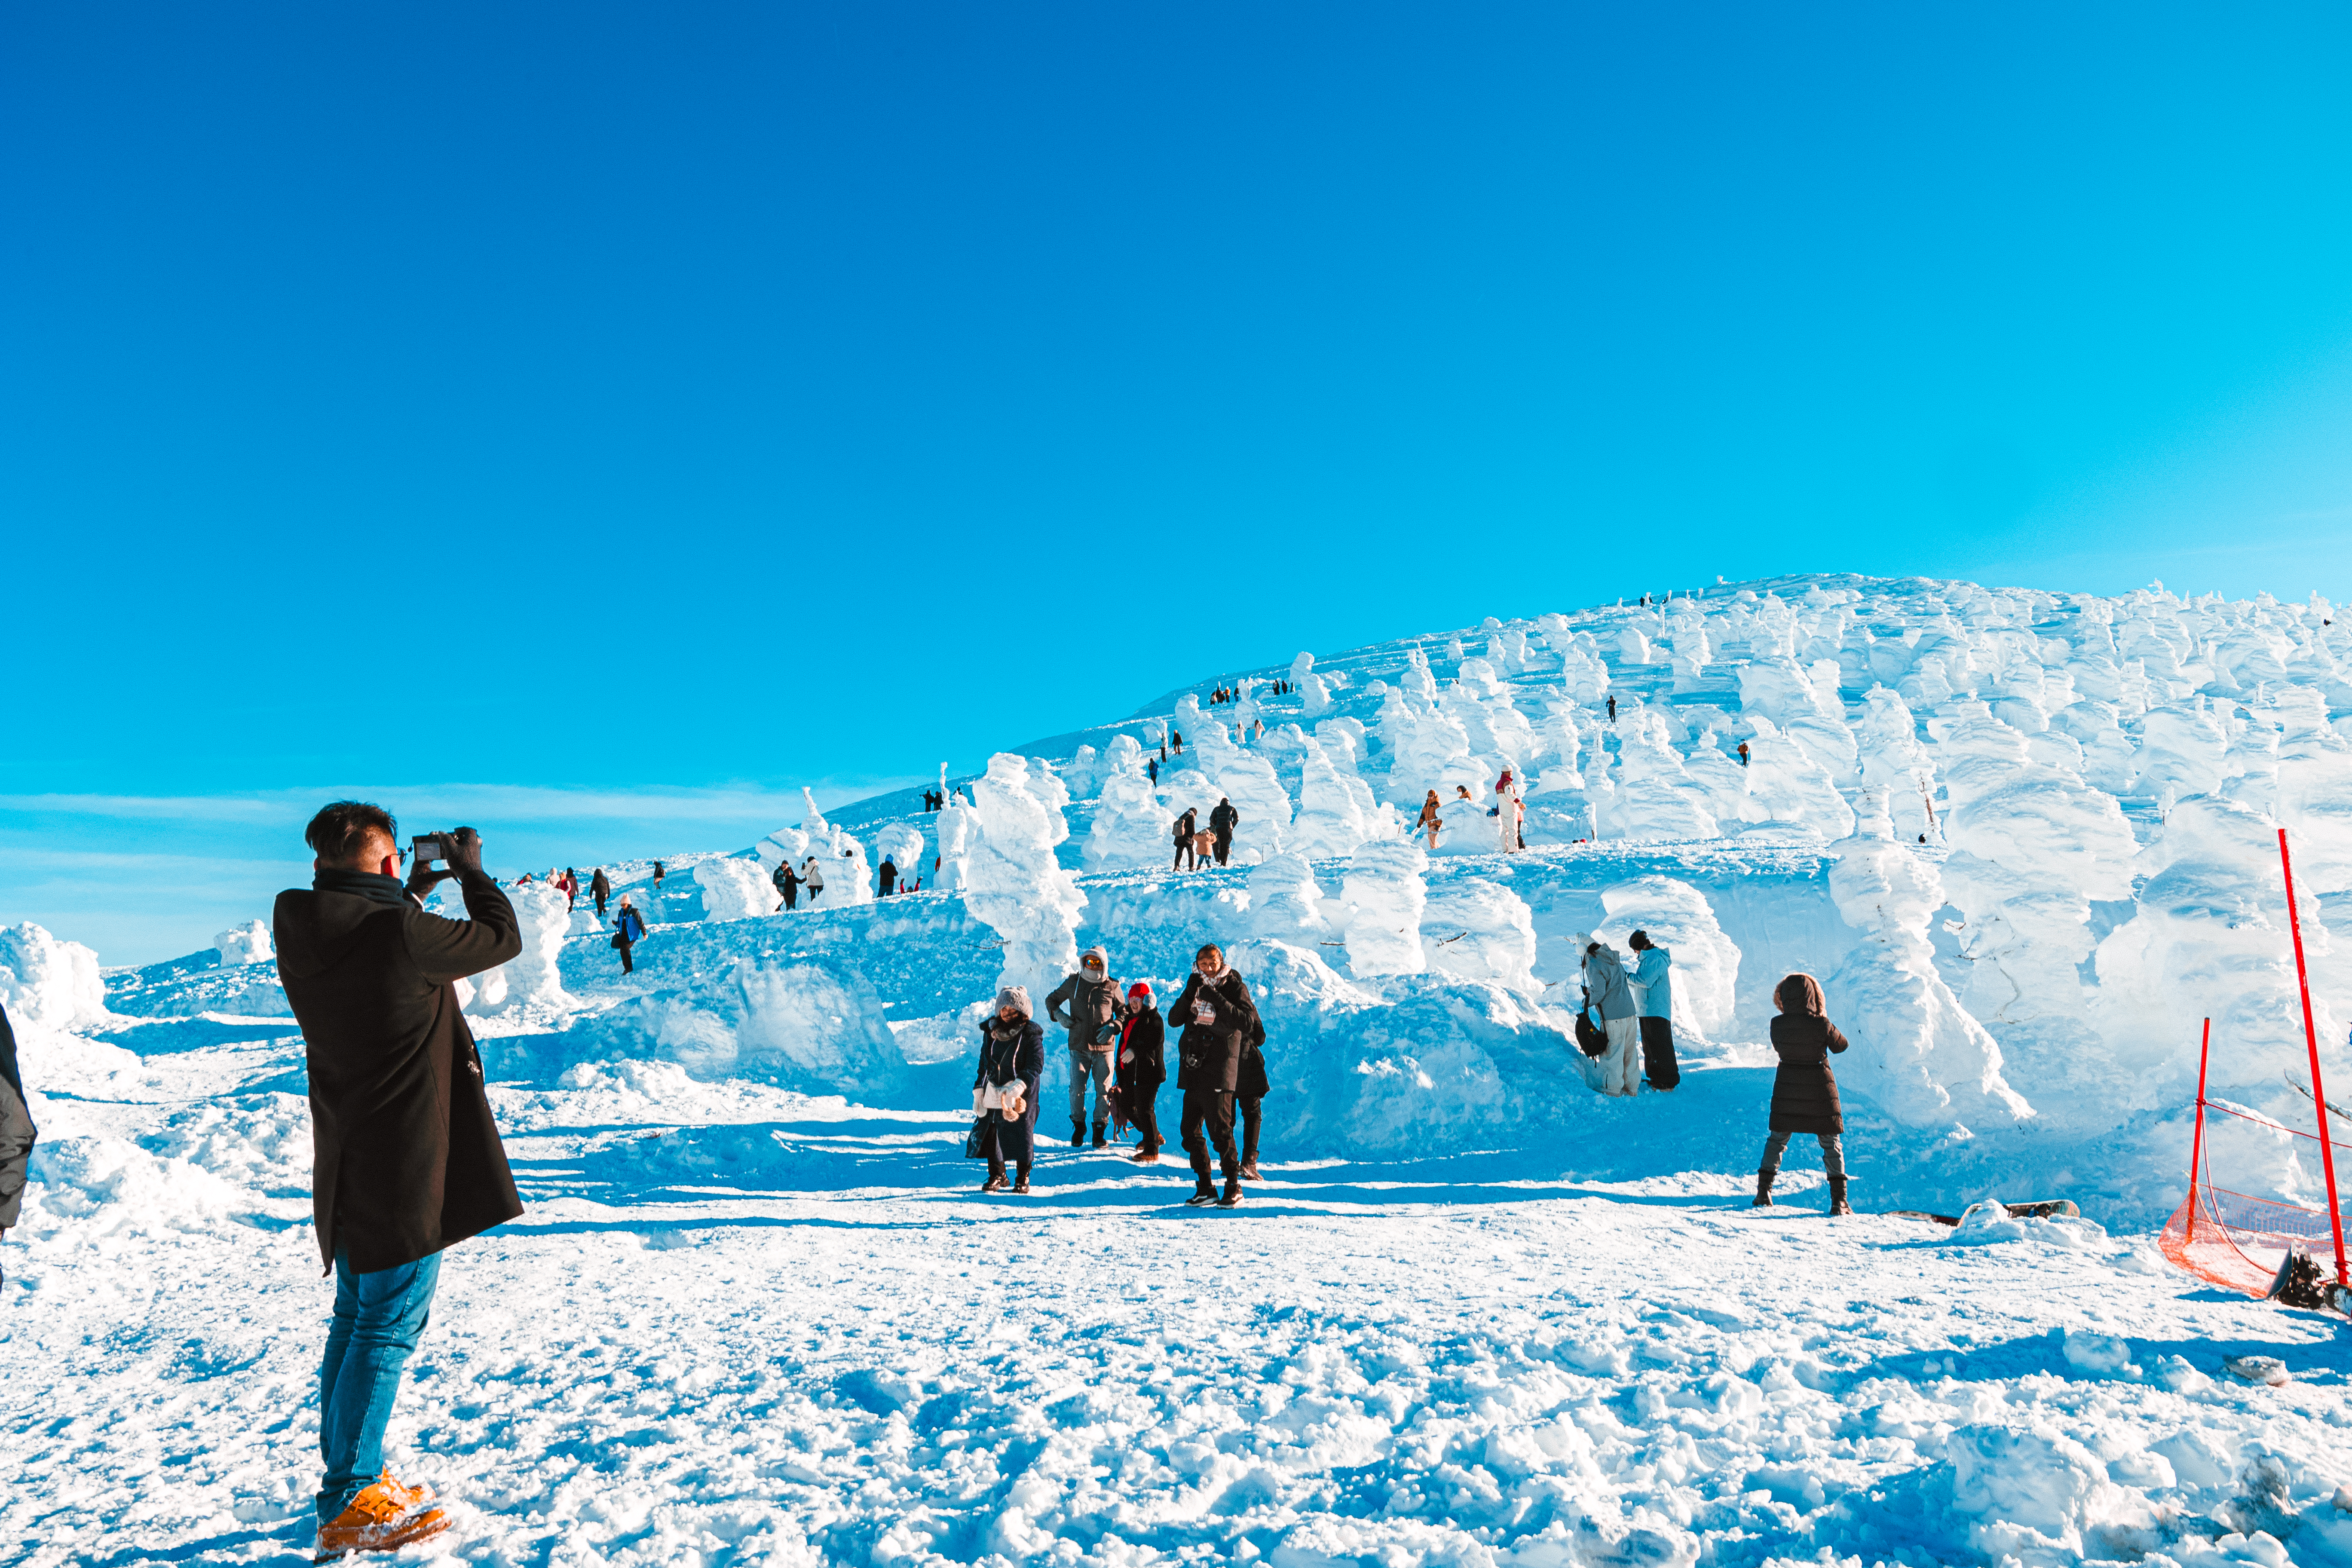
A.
pixel 787 883
pixel 1217 1015
pixel 602 886
pixel 16 1131
pixel 406 1157
pixel 1183 830
pixel 1222 820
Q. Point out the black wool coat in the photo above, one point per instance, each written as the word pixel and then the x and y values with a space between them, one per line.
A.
pixel 1018 1055
pixel 1147 1036
pixel 407 1157
pixel 1211 1055
pixel 1804 1092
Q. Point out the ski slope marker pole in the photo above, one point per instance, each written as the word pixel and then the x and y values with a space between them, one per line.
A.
pixel 2311 1039
pixel 2197 1139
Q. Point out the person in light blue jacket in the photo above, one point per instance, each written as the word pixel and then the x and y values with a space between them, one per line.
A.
pixel 1653 989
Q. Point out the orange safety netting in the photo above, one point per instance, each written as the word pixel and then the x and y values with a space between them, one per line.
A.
pixel 2237 1241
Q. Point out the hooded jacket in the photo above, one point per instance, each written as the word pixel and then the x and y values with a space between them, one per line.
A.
pixel 1652 971
pixel 1604 980
pixel 1804 1092
pixel 1091 1005
pixel 407 1156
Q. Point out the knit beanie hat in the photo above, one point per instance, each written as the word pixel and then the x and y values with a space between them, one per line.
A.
pixel 1016 997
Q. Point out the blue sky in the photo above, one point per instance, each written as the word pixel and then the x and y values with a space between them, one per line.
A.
pixel 672 406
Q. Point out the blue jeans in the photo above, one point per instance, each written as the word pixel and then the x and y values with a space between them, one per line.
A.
pixel 378 1320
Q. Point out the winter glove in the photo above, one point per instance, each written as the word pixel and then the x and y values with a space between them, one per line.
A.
pixel 465 847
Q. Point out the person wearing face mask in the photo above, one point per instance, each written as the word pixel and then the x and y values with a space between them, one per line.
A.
pixel 1218 1017
pixel 1091 996
pixel 1004 1090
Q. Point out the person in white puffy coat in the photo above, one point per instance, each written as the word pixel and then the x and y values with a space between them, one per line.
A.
pixel 1507 811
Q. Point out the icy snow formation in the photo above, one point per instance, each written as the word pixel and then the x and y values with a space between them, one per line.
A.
pixel 1012 882
pixel 735 890
pixel 2026 840
pixel 47 982
pixel 246 943
pixel 529 980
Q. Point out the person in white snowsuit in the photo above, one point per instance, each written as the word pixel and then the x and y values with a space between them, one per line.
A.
pixel 1507 811
pixel 1613 998
pixel 813 879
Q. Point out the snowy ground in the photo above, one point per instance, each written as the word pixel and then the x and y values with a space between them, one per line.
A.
pixel 739 1325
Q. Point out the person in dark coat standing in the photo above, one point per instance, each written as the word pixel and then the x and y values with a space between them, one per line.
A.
pixel 1151 766
pixel 1222 820
pixel 1142 1068
pixel 1249 1094
pixel 1183 831
pixel 628 930
pixel 1804 1092
pixel 1004 1090
pixel 406 1157
pixel 602 886
pixel 1217 1015
pixel 17 1132
pixel 886 881
pixel 788 883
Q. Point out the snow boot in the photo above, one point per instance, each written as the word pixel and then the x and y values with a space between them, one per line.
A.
pixel 1763 1189
pixel 1077 1134
pixel 995 1183
pixel 1099 1139
pixel 1021 1182
pixel 1233 1192
pixel 1204 1191
pixel 385 1517
pixel 1837 1196
pixel 1249 1171
pixel 1147 1155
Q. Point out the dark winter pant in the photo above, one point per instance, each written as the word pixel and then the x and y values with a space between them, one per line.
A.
pixel 1224 842
pixel 1085 1064
pixel 1143 1110
pixel 1183 855
pixel 1832 1153
pixel 1209 1118
pixel 628 965
pixel 793 896
pixel 1252 1109
pixel 600 906
pixel 379 1318
pixel 1658 1053
pixel 1010 1139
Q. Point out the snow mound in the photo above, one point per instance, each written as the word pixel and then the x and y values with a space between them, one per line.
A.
pixel 49 983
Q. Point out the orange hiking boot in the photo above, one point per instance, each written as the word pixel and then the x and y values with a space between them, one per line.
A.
pixel 385 1517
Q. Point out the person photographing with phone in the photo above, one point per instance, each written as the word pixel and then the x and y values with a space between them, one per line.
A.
pixel 407 1159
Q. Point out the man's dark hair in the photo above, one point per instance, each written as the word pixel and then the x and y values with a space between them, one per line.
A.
pixel 340 830
pixel 1639 939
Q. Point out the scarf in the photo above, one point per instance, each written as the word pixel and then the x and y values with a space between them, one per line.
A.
pixel 368 885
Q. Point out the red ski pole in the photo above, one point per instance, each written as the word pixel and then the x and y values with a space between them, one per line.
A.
pixel 2197 1139
pixel 2311 1039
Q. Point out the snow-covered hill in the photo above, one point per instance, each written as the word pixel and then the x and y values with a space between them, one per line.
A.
pixel 2027 841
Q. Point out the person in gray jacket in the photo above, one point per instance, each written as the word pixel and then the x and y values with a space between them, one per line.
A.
pixel 1604 981
pixel 1091 998
pixel 1654 998
pixel 16 1131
